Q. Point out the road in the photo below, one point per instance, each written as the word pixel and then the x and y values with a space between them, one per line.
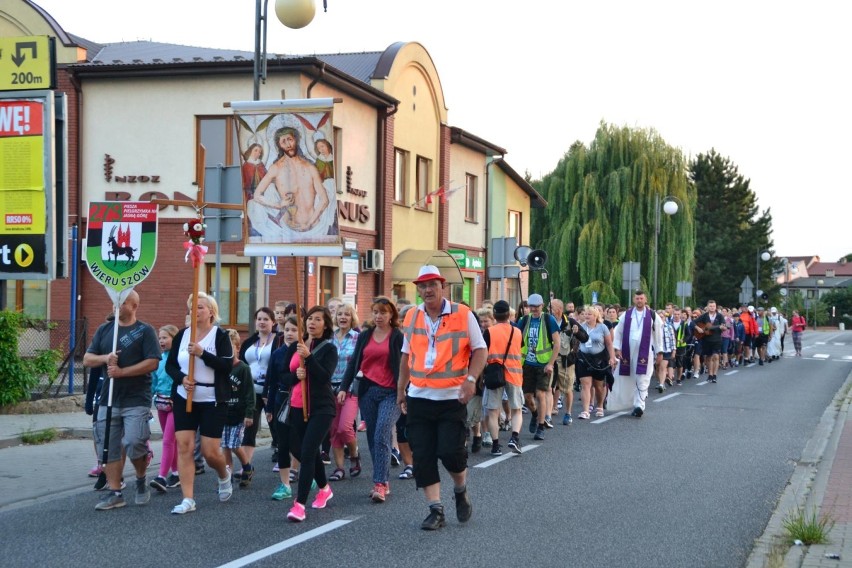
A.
pixel 692 483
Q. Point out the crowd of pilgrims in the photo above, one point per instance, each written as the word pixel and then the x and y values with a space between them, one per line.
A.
pixel 312 431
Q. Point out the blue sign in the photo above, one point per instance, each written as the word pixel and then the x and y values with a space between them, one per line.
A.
pixel 594 297
pixel 270 265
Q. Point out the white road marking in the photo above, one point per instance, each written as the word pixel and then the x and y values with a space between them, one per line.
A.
pixel 820 355
pixel 848 358
pixel 841 344
pixel 285 544
pixel 509 454
pixel 819 342
pixel 610 417
pixel 731 373
pixel 702 383
pixel 668 396
pixel 750 365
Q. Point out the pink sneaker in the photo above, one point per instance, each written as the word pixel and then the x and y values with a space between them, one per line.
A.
pixel 95 471
pixel 322 498
pixel 362 426
pixel 379 493
pixel 297 512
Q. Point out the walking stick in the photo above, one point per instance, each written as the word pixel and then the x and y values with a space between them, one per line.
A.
pixel 305 411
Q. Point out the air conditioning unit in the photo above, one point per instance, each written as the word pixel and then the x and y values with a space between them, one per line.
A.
pixel 373 260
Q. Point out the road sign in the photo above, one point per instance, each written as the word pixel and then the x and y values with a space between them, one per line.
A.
pixel 26 63
pixel 270 265
pixel 630 275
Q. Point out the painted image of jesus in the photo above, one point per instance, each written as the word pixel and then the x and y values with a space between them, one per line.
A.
pixel 290 200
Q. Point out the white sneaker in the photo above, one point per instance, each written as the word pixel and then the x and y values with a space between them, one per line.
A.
pixel 226 487
pixel 186 506
pixel 486 439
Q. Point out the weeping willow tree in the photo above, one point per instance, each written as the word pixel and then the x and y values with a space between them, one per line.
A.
pixel 602 205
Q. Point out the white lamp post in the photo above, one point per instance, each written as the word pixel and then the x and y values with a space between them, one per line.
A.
pixel 765 256
pixel 670 207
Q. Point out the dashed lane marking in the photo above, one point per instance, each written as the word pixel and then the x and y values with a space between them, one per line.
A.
pixel 819 342
pixel 510 454
pixel 701 384
pixel 668 396
pixel 840 344
pixel 848 358
pixel 731 373
pixel 610 417
pixel 820 355
pixel 285 544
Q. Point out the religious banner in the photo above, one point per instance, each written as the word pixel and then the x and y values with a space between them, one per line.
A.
pixel 288 176
pixel 121 244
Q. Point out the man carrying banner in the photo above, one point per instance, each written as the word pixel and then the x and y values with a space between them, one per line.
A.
pixel 129 366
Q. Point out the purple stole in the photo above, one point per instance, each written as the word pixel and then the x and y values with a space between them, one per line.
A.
pixel 644 343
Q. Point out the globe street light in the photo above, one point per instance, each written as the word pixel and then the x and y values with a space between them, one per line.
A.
pixel 765 256
pixel 670 207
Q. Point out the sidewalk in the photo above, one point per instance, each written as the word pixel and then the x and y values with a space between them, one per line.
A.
pixel 30 474
pixel 821 483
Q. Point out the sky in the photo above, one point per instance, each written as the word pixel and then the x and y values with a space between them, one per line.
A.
pixel 763 83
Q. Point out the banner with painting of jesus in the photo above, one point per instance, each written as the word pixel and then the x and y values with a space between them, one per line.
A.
pixel 289 186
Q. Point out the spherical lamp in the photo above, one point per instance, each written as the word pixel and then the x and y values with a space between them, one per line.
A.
pixel 295 14
pixel 670 207
pixel 765 256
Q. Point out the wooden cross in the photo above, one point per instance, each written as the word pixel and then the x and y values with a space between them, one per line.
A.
pixel 199 204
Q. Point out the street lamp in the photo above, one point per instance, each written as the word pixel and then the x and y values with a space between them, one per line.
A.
pixel 764 256
pixel 670 207
pixel 815 302
pixel 294 14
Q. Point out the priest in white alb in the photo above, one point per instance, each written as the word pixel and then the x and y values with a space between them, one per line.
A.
pixel 638 338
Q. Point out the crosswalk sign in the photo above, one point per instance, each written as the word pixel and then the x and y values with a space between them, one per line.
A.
pixel 270 265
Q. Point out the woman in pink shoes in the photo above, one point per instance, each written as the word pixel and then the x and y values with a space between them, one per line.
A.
pixel 312 408
pixel 162 387
pixel 375 363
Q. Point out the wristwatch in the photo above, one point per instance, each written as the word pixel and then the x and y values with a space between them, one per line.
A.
pixel 471 379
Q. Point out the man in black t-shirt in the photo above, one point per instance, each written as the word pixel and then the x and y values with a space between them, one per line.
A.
pixel 712 323
pixel 129 366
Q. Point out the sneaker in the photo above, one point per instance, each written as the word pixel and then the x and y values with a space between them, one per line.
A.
pixel 143 494
pixel 172 481
pixel 464 508
pixel 362 426
pixel 226 487
pixel 297 512
pixel 496 451
pixel 559 404
pixel 247 475
pixel 275 468
pixel 566 420
pixel 111 500
pixel 712 378
pixel 487 440
pixel 435 520
pixel 159 483
pixel 539 434
pixel 661 388
pixel 476 445
pixel 199 469
pixel 275 455
pixel 637 412
pixel 282 492
pixel 185 506
pixel 760 362
pixel 322 498
pixel 95 471
pixel 524 409
pixel 396 458
pixel 533 422
pixel 379 493
pixel 548 423
pixel 326 459
pixel 515 445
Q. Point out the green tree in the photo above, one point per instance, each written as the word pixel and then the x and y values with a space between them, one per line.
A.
pixel 838 302
pixel 730 233
pixel 19 375
pixel 601 213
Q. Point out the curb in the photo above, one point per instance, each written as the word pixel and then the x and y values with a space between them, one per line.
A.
pixel 807 483
pixel 61 434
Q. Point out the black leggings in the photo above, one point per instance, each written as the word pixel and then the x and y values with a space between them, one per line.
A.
pixel 305 439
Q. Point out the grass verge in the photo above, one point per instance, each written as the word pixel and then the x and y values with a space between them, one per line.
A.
pixel 808 528
pixel 39 437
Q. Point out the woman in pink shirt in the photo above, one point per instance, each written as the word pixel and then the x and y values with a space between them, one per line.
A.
pixel 375 365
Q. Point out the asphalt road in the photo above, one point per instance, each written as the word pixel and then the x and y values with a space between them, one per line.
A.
pixel 692 483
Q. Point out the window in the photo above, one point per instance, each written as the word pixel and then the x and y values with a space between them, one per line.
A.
pixel 233 294
pixel 328 284
pixel 27 296
pixel 513 225
pixel 470 198
pixel 219 137
pixel 400 175
pixel 423 184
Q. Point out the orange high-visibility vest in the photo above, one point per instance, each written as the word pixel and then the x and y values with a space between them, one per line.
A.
pixel 451 345
pixel 499 336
